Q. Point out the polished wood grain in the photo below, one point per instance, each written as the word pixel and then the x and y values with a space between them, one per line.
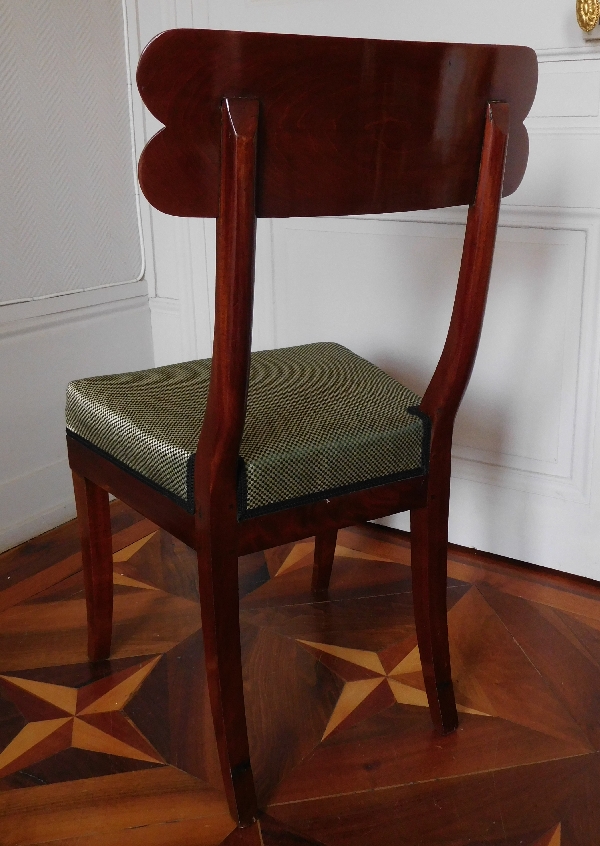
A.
pixel 35 558
pixel 159 803
pixel 132 491
pixel 255 533
pixel 218 451
pixel 96 552
pixel 429 525
pixel 269 832
pixel 405 119
pixel 325 544
pixel 339 730
pixel 327 515
pixel 500 807
pixel 23 587
pixel 275 125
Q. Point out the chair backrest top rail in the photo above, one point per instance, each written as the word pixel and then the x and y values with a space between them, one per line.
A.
pixel 347 125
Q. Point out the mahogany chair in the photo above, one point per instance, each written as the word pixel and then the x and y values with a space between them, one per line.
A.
pixel 245 452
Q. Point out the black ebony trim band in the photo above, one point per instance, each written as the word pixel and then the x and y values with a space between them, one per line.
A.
pixel 426 445
pixel 331 492
pixel 242 492
pixel 182 503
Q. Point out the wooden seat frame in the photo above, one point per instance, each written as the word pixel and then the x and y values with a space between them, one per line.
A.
pixel 215 532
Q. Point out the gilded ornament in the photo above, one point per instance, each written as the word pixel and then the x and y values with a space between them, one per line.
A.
pixel 588 14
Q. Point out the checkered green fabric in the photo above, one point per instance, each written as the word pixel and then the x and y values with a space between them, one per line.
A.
pixel 320 421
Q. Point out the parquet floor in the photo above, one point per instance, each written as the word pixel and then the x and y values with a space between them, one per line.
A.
pixel 122 753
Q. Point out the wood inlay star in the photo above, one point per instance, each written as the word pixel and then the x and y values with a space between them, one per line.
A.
pixel 370 687
pixel 124 555
pixel 89 718
pixel 551 838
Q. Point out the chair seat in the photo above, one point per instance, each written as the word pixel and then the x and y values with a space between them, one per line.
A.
pixel 321 421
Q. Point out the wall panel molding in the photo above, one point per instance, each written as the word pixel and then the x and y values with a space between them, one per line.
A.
pixel 50 306
pixel 165 315
pixel 52 320
pixel 568 96
pixel 40 355
pixel 527 492
pixel 576 233
pixel 540 239
pixel 74 294
pixel 68 215
pixel 589 49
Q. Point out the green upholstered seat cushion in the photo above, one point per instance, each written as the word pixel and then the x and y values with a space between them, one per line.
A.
pixel 320 421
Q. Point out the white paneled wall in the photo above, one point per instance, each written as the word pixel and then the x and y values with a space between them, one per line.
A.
pixel 40 355
pixel 73 298
pixel 178 266
pixel 480 21
pixel 526 475
pixel 68 218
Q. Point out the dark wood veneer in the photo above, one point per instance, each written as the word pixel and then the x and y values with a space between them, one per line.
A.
pixel 336 513
pixel 381 777
pixel 282 125
pixel 255 533
pixel 390 113
pixel 146 500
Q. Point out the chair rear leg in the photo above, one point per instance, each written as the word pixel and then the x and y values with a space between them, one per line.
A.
pixel 323 561
pixel 429 550
pixel 219 602
pixel 93 514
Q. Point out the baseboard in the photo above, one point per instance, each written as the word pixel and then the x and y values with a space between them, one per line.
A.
pixel 37 524
pixel 35 503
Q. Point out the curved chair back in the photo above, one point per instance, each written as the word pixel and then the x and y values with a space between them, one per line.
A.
pixel 346 125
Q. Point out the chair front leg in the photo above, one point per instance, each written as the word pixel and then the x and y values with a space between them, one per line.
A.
pixel 429 551
pixel 93 515
pixel 323 561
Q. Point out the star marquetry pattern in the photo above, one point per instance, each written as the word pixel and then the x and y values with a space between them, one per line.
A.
pixel 373 681
pixel 89 717
pixel 124 555
pixel 551 838
pixel 342 681
pixel 301 555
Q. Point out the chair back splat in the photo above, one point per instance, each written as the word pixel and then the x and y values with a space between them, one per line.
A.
pixel 347 126
pixel 243 451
